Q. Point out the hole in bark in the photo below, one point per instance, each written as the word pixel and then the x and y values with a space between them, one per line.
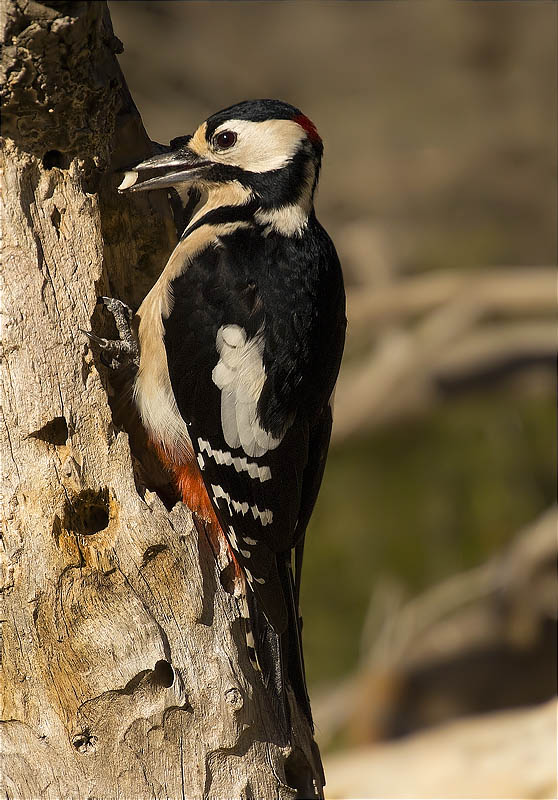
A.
pixel 85 742
pixel 87 513
pixel 56 528
pixel 163 674
pixel 54 158
pixel 55 218
pixel 152 552
pixel 54 432
pixel 227 577
pixel 299 776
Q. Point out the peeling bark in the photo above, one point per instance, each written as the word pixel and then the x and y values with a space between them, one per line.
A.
pixel 124 665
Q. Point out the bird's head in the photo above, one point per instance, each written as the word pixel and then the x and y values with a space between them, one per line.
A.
pixel 267 147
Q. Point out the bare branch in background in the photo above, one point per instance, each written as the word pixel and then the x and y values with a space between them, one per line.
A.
pixel 424 331
pixel 437 655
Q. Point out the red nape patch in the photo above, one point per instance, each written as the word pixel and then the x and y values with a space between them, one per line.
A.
pixel 308 126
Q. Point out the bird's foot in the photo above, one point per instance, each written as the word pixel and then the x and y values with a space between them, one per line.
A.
pixel 123 351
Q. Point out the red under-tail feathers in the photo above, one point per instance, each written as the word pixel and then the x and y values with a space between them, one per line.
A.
pixel 189 482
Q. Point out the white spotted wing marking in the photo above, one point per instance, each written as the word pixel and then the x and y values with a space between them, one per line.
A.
pixel 251 578
pixel 240 464
pixel 232 538
pixel 265 516
pixel 240 375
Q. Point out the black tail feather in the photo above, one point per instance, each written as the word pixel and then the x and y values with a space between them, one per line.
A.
pixel 280 656
pixel 293 637
pixel 270 661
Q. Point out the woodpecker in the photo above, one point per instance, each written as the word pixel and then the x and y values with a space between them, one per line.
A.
pixel 240 342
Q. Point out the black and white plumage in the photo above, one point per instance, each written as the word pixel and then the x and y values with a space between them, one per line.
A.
pixel 240 345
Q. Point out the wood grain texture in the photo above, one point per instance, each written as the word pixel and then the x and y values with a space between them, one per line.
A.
pixel 124 665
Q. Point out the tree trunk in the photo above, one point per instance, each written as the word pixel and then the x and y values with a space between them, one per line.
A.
pixel 125 673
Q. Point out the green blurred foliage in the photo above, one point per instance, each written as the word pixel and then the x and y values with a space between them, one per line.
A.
pixel 420 500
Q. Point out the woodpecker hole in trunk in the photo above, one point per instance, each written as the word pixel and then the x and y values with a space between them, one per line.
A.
pixel 163 674
pixel 54 158
pixel 84 742
pixel 87 513
pixel 53 432
pixel 227 578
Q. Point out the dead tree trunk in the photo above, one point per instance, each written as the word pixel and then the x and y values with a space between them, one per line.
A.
pixel 124 668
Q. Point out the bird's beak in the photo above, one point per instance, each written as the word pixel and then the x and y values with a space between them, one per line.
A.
pixel 180 165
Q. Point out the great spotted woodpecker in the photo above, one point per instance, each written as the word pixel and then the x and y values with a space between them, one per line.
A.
pixel 240 342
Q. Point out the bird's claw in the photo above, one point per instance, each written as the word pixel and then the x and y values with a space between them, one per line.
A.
pixel 124 350
pixel 117 308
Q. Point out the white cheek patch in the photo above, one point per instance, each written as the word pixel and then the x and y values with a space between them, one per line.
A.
pixel 240 375
pixel 238 507
pixel 223 457
pixel 260 146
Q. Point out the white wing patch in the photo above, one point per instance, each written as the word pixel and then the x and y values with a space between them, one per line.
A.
pixel 240 375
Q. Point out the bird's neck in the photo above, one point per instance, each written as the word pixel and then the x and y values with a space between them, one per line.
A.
pixel 232 201
pixel 216 196
pixel 288 213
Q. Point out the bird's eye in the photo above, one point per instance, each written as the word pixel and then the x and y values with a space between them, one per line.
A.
pixel 224 140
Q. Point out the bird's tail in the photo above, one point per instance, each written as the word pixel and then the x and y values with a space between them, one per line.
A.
pixel 292 640
pixel 278 656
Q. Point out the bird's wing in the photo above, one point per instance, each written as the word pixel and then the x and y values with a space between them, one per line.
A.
pixel 214 345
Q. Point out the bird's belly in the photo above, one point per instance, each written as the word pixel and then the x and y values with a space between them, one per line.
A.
pixel 153 392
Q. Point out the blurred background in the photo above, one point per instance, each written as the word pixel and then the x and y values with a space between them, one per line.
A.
pixel 429 591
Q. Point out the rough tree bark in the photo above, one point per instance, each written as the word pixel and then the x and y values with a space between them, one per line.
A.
pixel 124 670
